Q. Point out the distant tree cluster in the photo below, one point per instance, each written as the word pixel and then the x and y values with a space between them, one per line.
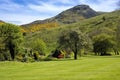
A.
pixel 102 44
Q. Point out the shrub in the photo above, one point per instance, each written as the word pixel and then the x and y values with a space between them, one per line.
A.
pixel 107 54
pixel 50 59
pixel 19 57
pixel 5 56
pixel 39 45
pixel 56 53
pixel 30 59
pixel 2 58
pixel 36 56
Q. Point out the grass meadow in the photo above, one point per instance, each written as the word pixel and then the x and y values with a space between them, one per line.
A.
pixel 85 68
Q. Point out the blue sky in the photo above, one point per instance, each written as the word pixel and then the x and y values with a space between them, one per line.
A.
pixel 25 11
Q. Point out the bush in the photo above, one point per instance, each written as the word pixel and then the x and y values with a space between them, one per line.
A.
pixel 50 59
pixel 5 56
pixel 36 56
pixel 56 53
pixel 30 59
pixel 2 58
pixel 19 57
pixel 107 54
pixel 39 45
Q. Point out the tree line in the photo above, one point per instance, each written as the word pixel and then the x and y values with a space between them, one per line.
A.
pixel 12 44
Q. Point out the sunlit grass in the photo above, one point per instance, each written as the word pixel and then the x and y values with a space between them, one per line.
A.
pixel 86 68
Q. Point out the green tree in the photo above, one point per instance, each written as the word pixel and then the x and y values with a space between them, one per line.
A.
pixel 10 39
pixel 117 48
pixel 102 44
pixel 39 45
pixel 74 40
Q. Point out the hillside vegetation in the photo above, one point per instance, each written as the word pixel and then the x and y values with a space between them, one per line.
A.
pixel 58 37
pixel 72 15
pixel 38 27
pixel 105 23
pixel 1 22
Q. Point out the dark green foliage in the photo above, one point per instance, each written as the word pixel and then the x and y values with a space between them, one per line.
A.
pixel 2 58
pixel 56 53
pixel 10 39
pixel 36 56
pixel 4 55
pixel 39 46
pixel 117 47
pixel 101 47
pixel 102 44
pixel 74 40
pixel 118 36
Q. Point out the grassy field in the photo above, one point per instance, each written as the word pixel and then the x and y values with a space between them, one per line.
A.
pixel 86 68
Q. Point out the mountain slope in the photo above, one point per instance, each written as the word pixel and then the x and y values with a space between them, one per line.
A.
pixel 72 15
pixel 76 14
pixel 105 23
pixel 1 22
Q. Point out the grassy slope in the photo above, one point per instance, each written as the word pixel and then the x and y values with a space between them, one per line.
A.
pixel 87 68
pixel 90 26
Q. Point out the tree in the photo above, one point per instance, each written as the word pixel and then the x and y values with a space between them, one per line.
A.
pixel 102 43
pixel 10 39
pixel 39 45
pixel 117 40
pixel 73 40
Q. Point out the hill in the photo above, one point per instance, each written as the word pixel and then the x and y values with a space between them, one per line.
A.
pixel 105 23
pixel 1 22
pixel 72 15
pixel 76 14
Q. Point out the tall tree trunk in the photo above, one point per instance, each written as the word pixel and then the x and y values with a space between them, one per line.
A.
pixel 12 52
pixel 75 55
pixel 76 51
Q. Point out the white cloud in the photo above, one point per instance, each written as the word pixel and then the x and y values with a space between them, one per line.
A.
pixel 58 1
pixel 65 1
pixel 48 8
pixel 8 5
pixel 104 5
pixel 21 14
pixel 20 18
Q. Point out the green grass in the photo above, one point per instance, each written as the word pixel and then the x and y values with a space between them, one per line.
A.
pixel 86 68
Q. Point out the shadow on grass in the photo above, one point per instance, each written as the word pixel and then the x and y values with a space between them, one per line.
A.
pixel 112 56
